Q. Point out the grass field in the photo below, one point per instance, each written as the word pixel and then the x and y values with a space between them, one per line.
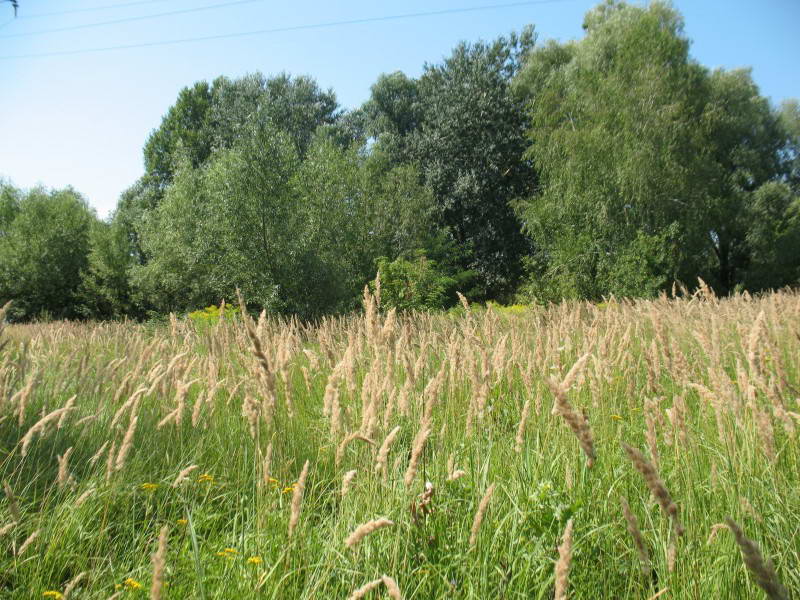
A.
pixel 449 453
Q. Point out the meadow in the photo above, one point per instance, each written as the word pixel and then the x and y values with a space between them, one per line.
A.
pixel 628 449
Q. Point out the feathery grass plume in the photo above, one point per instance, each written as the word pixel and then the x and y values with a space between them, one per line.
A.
pixel 762 569
pixel 63 468
pixel 346 481
pixel 392 588
pixel 6 528
pixel 266 465
pixel 73 583
pixel 712 534
pixel 110 461
pixel 576 421
pixel 13 507
pixel 3 311
pixel 383 451
pixel 416 451
pixel 297 499
pixel 22 396
pixel 255 341
pixel 766 433
pixel 183 475
pixel 346 441
pixel 480 514
pixel 520 439
pixel 366 529
pixel 365 589
pixel 159 560
pixel 638 539
pixel 70 405
pixel 672 553
pixel 82 498
pixel 651 436
pixel 96 456
pixel 39 427
pixel 127 443
pixel 28 542
pixel 655 485
pixel 563 564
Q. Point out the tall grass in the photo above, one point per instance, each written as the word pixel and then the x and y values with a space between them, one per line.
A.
pixel 577 451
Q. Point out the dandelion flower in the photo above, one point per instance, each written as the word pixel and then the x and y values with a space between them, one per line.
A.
pixel 182 522
pixel 53 594
pixel 255 560
pixel 149 487
pixel 205 478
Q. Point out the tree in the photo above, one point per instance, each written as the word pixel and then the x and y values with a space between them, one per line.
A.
pixel 470 147
pixel 648 163
pixel 43 249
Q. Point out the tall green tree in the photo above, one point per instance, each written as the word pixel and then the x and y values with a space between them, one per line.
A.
pixel 648 163
pixel 44 247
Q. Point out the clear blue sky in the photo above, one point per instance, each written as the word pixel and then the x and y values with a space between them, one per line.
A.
pixel 82 118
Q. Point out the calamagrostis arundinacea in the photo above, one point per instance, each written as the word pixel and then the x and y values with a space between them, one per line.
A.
pixel 27 543
pixel 479 514
pixel 762 570
pixel 365 589
pixel 564 561
pixel 365 529
pixel 655 484
pixel 297 499
pixel 13 507
pixel 383 451
pixel 159 560
pixel 416 450
pixel 638 539
pixel 392 588
pixel 183 475
pixel 347 480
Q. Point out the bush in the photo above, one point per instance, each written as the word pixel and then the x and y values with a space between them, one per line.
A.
pixel 416 284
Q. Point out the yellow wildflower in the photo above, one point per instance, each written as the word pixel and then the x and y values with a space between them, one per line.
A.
pixel 53 594
pixel 288 489
pixel 132 584
pixel 231 550
pixel 255 560
pixel 182 522
pixel 617 417
pixel 149 487
pixel 205 478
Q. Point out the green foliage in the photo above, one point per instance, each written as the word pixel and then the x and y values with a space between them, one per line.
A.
pixel 648 162
pixel 416 284
pixel 44 247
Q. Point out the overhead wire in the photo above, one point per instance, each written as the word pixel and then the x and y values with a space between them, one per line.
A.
pixel 324 25
pixel 26 16
pixel 129 19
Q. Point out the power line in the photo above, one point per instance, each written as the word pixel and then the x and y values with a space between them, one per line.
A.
pixel 326 25
pixel 129 19
pixel 88 9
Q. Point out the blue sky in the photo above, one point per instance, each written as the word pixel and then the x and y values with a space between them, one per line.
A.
pixel 82 118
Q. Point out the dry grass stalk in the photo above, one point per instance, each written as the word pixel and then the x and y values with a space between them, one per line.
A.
pixel 655 485
pixel 110 461
pixel 576 421
pixel 6 528
pixel 82 498
pixel 526 409
pixel 63 468
pixel 127 444
pixel 365 589
pixel 266 466
pixel 39 427
pixel 159 560
pixel 347 480
pixel 366 529
pixel 183 475
pixel 638 539
pixel 73 583
pixel 340 450
pixel 28 542
pixel 392 588
pixel 761 569
pixel 13 507
pixel 297 499
pixel 712 534
pixel 563 563
pixel 416 451
pixel 96 456
pixel 383 451
pixel 480 514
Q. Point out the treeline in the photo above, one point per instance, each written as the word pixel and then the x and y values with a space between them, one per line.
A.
pixel 512 170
